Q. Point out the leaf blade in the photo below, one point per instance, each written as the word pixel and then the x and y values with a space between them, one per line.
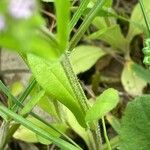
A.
pixel 105 102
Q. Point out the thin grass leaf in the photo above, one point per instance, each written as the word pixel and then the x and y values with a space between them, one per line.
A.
pixel 31 126
pixel 20 105
pixel 87 21
pixel 78 14
pixel 63 15
pixel 24 95
pixel 145 15
pixel 32 102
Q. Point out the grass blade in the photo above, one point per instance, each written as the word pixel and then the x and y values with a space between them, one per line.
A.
pixel 84 26
pixel 78 14
pixel 31 126
pixel 20 105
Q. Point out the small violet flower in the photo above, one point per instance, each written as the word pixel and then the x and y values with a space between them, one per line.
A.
pixel 22 9
pixel 2 23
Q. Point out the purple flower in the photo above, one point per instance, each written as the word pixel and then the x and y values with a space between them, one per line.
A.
pixel 22 9
pixel 2 23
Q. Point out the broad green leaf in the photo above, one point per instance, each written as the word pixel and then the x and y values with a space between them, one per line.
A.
pixel 135 125
pixel 76 127
pixel 27 135
pixel 84 57
pixel 111 35
pixel 132 83
pixel 45 103
pixel 100 23
pixel 51 76
pixel 63 17
pixel 104 103
pixel 141 72
pixel 33 127
pixel 28 42
pixel 137 23
pixel 32 102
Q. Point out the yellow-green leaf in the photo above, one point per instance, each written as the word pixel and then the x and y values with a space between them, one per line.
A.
pixel 104 103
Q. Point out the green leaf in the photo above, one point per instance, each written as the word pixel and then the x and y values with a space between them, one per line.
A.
pixel 137 22
pixel 132 83
pixel 45 103
pixel 63 17
pixel 25 35
pixel 32 102
pixel 135 126
pixel 16 88
pixel 100 22
pixel 27 135
pixel 104 103
pixel 78 14
pixel 86 23
pixel 84 57
pixel 111 35
pixel 51 76
pixel 141 72
pixel 76 127
pixel 33 127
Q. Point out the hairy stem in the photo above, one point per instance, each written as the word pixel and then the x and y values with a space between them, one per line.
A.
pixel 79 93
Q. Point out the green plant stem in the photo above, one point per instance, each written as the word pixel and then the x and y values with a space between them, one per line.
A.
pixel 114 143
pixel 86 23
pixel 105 134
pixel 78 14
pixel 79 93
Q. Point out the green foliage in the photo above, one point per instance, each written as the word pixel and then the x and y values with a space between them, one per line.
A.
pixel 51 76
pixel 137 22
pixel 132 83
pixel 134 132
pixel 63 16
pixel 33 127
pixel 111 35
pixel 141 72
pixel 57 91
pixel 23 35
pixel 27 135
pixel 32 102
pixel 104 103
pixel 78 13
pixel 84 57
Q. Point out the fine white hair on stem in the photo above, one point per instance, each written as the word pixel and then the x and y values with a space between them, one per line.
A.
pixel 22 9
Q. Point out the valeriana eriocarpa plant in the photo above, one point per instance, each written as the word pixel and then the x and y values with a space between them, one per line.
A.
pixel 54 86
